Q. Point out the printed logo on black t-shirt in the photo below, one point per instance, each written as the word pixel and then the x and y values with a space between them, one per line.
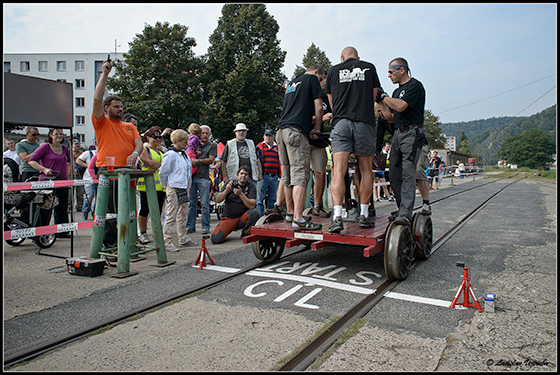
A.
pixel 356 74
pixel 292 87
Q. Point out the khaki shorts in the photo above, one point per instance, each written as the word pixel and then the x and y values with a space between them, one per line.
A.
pixel 423 163
pixel 294 155
pixel 318 159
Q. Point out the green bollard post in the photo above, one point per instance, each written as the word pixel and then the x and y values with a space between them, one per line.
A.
pixel 307 203
pixel 133 232
pixel 327 190
pixel 157 231
pixel 99 217
pixel 123 224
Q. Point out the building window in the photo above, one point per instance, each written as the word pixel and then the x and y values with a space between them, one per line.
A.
pixel 24 66
pixel 43 66
pixel 80 83
pixel 80 120
pixel 80 102
pixel 61 66
pixel 80 65
pixel 7 66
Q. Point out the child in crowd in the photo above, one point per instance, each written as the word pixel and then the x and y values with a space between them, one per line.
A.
pixel 194 143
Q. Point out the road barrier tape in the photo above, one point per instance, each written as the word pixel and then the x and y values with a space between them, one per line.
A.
pixel 51 184
pixel 49 229
pixel 58 228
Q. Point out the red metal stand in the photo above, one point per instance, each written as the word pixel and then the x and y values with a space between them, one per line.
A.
pixel 466 288
pixel 201 259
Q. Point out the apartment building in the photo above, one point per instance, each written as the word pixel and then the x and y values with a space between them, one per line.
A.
pixel 451 143
pixel 81 69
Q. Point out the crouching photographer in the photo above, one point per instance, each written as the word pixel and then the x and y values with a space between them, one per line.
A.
pixel 240 210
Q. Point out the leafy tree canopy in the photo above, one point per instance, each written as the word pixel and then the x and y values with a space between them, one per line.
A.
pixel 532 149
pixel 463 145
pixel 313 56
pixel 159 81
pixel 243 81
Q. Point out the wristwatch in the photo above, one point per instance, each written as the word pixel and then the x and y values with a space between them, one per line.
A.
pixel 384 95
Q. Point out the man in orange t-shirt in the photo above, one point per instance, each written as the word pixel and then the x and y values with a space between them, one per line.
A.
pixel 114 138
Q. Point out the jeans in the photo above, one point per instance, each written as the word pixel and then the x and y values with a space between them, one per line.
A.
pixel 91 191
pixel 270 184
pixel 202 186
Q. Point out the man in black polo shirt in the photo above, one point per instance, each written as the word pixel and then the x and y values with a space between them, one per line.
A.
pixel 352 87
pixel 406 109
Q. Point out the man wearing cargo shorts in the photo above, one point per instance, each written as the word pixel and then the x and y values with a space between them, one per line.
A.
pixel 352 87
pixel 406 109
pixel 301 101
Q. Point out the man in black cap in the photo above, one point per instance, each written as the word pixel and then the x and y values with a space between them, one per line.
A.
pixel 271 172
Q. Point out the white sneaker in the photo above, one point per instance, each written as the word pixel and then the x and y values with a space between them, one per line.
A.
pixel 143 239
pixel 426 209
pixel 171 248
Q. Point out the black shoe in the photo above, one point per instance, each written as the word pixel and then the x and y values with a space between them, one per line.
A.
pixel 337 225
pixel 85 215
pixel 394 215
pixel 306 225
pixel 277 210
pixel 320 211
pixel 189 231
pixel 402 220
pixel 365 222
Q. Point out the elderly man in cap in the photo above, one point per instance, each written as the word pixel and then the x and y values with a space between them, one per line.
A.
pixel 271 172
pixel 241 151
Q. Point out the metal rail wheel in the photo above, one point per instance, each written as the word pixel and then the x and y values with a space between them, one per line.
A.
pixel 423 233
pixel 398 250
pixel 271 248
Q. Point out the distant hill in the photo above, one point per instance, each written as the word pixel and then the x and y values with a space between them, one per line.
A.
pixel 486 136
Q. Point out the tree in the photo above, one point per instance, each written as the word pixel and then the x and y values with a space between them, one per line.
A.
pixel 159 81
pixel 432 130
pixel 313 56
pixel 464 146
pixel 243 81
pixel 532 149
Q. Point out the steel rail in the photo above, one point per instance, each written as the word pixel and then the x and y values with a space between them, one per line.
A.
pixel 306 356
pixel 34 351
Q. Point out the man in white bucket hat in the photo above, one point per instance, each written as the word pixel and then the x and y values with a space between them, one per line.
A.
pixel 241 151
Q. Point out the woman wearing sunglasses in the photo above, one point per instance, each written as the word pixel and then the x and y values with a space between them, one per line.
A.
pixel 151 158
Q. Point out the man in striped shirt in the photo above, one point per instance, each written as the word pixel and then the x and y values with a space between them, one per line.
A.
pixel 271 172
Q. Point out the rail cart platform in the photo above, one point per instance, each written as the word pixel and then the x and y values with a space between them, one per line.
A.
pixel 401 243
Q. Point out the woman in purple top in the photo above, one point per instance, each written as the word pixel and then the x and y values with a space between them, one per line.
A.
pixel 49 157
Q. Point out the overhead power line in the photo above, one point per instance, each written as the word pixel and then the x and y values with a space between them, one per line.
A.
pixel 536 100
pixel 505 92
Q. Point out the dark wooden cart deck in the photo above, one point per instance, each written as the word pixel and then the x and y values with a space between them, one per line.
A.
pixel 371 238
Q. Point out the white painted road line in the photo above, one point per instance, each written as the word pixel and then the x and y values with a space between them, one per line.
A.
pixel 302 279
pixel 427 301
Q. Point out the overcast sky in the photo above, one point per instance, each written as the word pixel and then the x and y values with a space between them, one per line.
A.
pixel 475 61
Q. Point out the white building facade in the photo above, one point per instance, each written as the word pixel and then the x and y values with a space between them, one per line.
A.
pixel 82 70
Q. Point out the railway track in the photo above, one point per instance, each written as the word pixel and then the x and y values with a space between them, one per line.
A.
pixel 297 363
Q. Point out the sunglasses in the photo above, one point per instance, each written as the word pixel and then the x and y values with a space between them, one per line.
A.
pixel 34 134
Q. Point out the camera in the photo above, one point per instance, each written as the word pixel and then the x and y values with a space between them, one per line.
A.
pixel 235 185
pixel 109 59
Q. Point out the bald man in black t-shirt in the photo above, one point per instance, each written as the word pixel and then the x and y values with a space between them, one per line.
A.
pixel 352 87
